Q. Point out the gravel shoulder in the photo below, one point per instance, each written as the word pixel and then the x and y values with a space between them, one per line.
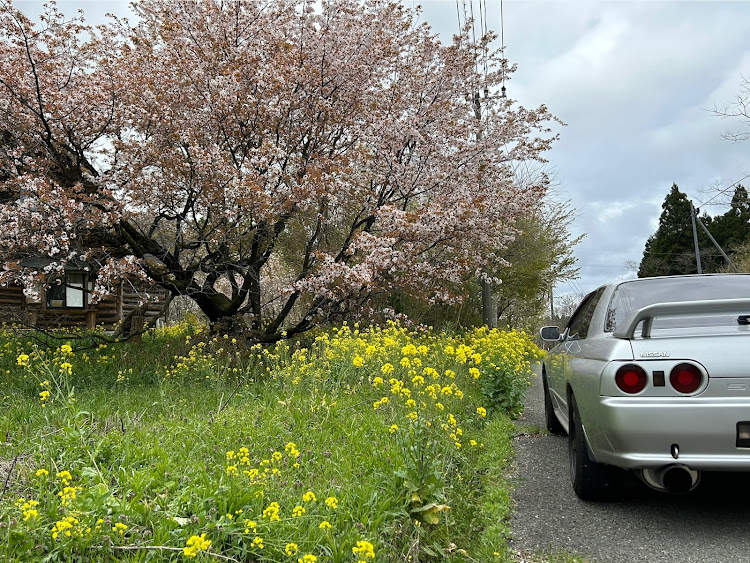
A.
pixel 707 525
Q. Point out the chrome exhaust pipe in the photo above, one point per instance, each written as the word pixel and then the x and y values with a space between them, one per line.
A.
pixel 673 478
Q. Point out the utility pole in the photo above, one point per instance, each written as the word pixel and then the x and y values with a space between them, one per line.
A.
pixel 718 247
pixel 695 240
pixel 489 305
pixel 551 304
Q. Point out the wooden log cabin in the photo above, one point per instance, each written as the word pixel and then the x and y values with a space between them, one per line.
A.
pixel 68 304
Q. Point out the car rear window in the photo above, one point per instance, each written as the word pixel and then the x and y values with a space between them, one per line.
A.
pixel 636 294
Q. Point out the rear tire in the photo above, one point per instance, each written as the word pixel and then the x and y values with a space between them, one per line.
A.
pixel 591 480
pixel 550 418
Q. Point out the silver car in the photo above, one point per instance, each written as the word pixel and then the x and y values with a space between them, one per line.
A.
pixel 653 376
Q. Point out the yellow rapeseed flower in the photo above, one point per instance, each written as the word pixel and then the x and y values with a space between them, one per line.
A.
pixel 272 512
pixel 364 549
pixel 196 544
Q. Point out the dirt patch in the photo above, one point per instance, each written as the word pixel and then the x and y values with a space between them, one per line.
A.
pixel 9 474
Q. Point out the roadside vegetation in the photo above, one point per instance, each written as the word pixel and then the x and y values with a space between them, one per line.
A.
pixel 360 444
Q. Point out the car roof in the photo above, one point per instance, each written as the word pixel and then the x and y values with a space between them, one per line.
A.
pixel 668 279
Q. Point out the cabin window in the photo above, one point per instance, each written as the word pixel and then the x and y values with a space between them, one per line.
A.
pixel 68 293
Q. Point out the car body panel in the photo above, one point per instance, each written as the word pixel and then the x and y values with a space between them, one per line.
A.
pixel 640 431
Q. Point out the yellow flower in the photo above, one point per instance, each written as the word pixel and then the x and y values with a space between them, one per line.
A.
pixel 298 511
pixel 358 361
pixel 325 525
pixel 291 549
pixel 119 528
pixel 28 507
pixel 272 512
pixel 332 502
pixel 481 411
pixel 474 372
pixel 196 544
pixel 364 549
pixel 393 429
pixel 258 542
pixel 66 495
pixel 23 360
pixel 41 473
pixel 309 496
pixel 30 513
pixel 291 449
pixel 409 350
pixel 380 403
pixel 66 349
pixel 309 558
pixel 387 369
pixel 66 527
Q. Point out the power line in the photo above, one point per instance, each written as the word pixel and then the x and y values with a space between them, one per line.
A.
pixel 725 190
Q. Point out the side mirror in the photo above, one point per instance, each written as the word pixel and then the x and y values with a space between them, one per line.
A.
pixel 550 333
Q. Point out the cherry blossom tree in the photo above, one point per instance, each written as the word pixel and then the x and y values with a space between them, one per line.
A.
pixel 280 162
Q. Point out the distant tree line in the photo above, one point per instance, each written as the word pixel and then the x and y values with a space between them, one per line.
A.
pixel 671 250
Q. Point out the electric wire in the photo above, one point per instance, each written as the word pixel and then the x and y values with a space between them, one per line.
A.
pixel 724 191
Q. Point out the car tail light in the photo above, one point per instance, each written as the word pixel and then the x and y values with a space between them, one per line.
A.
pixel 631 378
pixel 685 378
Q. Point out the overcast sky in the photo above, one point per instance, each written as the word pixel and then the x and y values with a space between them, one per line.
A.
pixel 635 83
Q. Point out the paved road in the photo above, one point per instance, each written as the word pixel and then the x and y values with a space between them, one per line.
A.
pixel 711 524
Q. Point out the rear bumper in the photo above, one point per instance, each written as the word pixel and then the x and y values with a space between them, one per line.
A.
pixel 639 432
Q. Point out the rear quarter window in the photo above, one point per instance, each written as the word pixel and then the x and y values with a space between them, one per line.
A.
pixel 580 322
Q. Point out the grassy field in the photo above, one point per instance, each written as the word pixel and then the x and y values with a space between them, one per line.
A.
pixel 359 445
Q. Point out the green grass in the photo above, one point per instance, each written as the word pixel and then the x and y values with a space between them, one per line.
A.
pixel 139 448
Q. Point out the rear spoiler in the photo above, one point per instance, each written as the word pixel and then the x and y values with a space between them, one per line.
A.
pixel 626 329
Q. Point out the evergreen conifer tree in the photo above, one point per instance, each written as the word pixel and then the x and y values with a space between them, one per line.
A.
pixel 670 250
